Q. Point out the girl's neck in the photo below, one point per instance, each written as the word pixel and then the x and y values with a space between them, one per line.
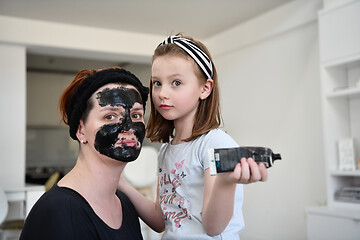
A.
pixel 183 130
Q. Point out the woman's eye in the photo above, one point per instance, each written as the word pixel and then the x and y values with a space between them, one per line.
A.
pixel 137 116
pixel 110 117
pixel 176 83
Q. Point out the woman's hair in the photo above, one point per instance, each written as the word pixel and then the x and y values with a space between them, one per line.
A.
pixel 69 91
pixel 75 102
pixel 208 113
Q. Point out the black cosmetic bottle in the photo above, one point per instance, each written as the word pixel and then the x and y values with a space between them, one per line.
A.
pixel 225 159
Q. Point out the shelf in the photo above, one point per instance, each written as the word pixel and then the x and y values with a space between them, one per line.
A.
pixel 344 93
pixel 335 6
pixel 344 62
pixel 353 214
pixel 345 173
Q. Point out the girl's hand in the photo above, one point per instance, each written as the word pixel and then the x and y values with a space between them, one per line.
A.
pixel 247 171
pixel 123 183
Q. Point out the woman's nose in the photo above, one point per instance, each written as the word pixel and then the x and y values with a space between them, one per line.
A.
pixel 127 123
pixel 127 134
pixel 128 131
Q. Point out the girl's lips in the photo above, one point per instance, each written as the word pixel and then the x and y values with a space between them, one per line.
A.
pixel 165 107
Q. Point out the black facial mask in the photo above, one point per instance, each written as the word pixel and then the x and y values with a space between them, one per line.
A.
pixel 108 134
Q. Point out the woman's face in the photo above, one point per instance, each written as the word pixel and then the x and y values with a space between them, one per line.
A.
pixel 115 125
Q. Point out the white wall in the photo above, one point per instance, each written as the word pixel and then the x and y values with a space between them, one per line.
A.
pixel 68 40
pixel 271 97
pixel 13 118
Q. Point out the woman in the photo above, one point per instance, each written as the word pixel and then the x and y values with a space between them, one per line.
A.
pixel 105 113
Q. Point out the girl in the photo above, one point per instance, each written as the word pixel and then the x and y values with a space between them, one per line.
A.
pixel 185 116
pixel 104 110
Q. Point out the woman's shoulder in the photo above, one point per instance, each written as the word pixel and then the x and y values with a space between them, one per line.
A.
pixel 59 199
pixel 50 217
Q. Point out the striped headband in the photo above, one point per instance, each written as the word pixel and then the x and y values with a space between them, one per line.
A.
pixel 194 51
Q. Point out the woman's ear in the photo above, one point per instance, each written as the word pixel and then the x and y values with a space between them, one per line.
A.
pixel 80 132
pixel 206 88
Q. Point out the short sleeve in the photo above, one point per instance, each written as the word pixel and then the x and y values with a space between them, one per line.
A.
pixel 215 139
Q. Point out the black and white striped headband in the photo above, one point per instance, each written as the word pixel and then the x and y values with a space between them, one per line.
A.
pixel 194 51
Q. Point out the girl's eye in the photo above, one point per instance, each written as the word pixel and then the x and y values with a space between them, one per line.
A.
pixel 176 83
pixel 156 83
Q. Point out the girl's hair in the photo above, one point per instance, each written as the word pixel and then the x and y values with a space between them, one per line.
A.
pixel 208 113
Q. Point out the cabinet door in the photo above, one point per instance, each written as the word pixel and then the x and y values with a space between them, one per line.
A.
pixel 340 32
pixel 43 93
pixel 322 227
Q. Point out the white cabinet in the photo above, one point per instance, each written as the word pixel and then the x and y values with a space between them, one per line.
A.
pixel 339 29
pixel 327 224
pixel 338 38
pixel 340 74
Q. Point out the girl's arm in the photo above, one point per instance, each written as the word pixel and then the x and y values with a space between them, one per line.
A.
pixel 148 211
pixel 219 193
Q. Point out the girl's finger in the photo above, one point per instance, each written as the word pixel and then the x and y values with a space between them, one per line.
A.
pixel 245 171
pixel 255 171
pixel 263 172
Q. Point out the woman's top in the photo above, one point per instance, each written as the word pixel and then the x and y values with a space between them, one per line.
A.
pixel 62 213
pixel 181 187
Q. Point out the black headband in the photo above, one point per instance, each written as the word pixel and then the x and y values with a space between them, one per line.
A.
pixel 78 101
pixel 194 51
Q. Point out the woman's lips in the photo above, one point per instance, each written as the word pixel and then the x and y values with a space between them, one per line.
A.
pixel 128 143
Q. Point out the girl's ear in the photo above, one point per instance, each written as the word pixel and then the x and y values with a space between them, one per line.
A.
pixel 206 88
pixel 80 132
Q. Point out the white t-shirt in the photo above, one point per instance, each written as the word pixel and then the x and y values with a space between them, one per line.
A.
pixel 181 187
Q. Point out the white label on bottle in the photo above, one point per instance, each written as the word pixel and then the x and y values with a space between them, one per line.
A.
pixel 212 162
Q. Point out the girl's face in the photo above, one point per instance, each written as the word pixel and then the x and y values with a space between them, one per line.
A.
pixel 115 125
pixel 176 89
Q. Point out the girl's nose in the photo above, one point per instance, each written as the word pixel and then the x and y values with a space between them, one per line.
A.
pixel 163 94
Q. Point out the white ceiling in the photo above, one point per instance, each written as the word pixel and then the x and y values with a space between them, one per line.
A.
pixel 198 18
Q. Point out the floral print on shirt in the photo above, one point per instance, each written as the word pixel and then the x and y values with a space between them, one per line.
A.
pixel 169 197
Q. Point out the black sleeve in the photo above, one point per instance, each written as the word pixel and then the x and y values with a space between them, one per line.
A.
pixel 49 219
